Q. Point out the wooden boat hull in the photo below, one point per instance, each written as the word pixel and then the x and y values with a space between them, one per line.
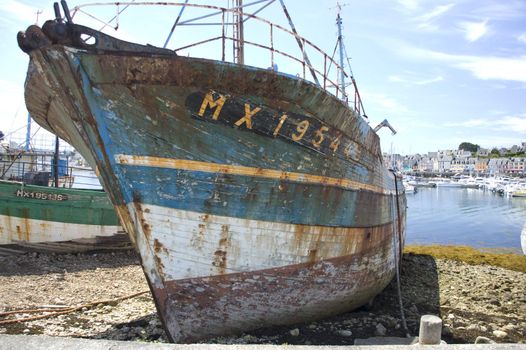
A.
pixel 253 198
pixel 40 218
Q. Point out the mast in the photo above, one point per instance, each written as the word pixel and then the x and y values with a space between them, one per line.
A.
pixel 239 34
pixel 28 131
pixel 340 44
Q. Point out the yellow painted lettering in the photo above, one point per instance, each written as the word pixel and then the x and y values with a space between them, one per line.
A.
pixel 209 101
pixel 301 129
pixel 280 124
pixel 247 119
pixel 348 150
pixel 319 136
pixel 335 144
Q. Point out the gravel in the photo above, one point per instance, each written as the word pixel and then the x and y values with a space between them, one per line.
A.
pixel 481 301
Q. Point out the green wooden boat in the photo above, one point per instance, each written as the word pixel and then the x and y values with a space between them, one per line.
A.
pixel 57 219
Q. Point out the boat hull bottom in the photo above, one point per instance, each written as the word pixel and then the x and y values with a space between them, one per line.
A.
pixel 102 243
pixel 20 235
pixel 199 308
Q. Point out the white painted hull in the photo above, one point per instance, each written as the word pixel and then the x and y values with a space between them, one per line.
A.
pixel 188 243
pixel 15 230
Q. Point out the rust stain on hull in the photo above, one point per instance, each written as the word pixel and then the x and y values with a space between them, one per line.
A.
pixel 232 303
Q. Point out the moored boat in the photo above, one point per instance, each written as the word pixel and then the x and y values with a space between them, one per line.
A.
pixel 518 193
pixel 409 188
pixel 444 183
pixel 37 217
pixel 254 197
pixel 65 220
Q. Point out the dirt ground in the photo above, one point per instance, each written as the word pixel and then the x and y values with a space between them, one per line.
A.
pixel 472 301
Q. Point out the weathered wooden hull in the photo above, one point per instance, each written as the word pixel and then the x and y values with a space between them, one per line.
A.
pixel 51 219
pixel 254 198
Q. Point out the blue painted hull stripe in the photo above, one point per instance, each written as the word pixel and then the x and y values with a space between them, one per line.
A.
pixel 263 199
pixel 192 165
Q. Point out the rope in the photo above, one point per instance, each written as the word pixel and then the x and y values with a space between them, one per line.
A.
pixel 63 311
pixel 397 254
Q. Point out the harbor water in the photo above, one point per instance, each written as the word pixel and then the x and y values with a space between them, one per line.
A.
pixel 464 216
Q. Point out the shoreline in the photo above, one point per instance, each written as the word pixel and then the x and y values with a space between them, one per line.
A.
pixel 473 299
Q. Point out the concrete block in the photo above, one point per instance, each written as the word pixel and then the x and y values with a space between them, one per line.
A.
pixel 430 330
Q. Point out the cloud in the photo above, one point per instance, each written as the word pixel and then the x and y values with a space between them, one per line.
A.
pixel 500 68
pixel 482 67
pixel 384 103
pixel 522 38
pixel 434 13
pixel 426 20
pixel 474 30
pixel 409 4
pixel 414 81
pixel 13 106
pixel 13 12
pixel 515 123
pixel 500 10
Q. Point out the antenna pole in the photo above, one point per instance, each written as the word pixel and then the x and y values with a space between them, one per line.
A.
pixel 340 44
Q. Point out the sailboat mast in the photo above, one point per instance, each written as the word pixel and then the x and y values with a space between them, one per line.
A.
pixel 340 45
pixel 239 50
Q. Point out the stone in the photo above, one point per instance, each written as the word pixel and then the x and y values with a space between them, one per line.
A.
pixel 500 334
pixel 495 302
pixel 414 309
pixel 473 327
pixel 446 331
pixel 294 332
pixel 510 327
pixel 380 330
pixel 483 340
pixel 345 332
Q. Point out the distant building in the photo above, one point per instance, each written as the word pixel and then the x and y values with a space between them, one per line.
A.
pixel 481 165
pixel 514 166
pixel 444 163
pixel 425 164
pixel 497 166
pixel 463 164
pixel 461 154
pixel 483 152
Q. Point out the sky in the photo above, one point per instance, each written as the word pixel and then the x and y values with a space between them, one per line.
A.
pixel 441 72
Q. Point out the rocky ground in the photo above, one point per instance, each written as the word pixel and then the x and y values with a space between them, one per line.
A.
pixel 471 300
